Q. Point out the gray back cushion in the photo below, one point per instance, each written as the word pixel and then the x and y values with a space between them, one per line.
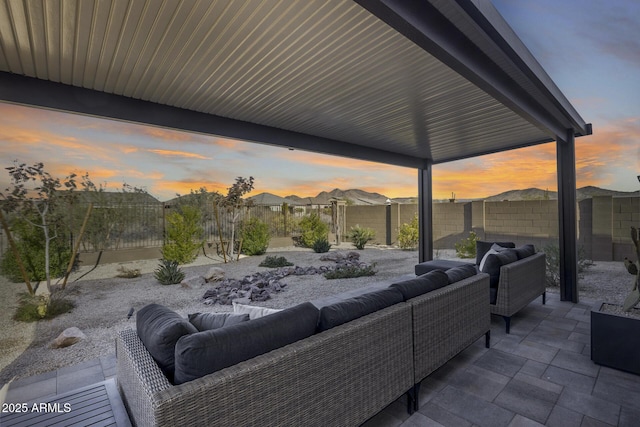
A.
pixel 207 321
pixel 431 281
pixel 352 308
pixel 483 247
pixel 525 251
pixel 461 272
pixel 210 351
pixel 159 328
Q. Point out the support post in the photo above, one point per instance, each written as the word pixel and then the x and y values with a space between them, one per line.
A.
pixel 567 217
pixel 425 214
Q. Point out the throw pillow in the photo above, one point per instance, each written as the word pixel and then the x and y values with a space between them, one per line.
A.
pixel 159 328
pixel 207 321
pixel 483 247
pixel 205 352
pixel 484 258
pixel 461 272
pixel 352 308
pixel 422 284
pixel 253 311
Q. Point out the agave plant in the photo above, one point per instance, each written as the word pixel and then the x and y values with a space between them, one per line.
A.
pixel 168 272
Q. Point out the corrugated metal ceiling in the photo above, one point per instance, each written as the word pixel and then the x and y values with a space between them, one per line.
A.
pixel 324 68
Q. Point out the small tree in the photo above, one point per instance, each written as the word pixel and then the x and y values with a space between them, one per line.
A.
pixel 233 203
pixel 35 196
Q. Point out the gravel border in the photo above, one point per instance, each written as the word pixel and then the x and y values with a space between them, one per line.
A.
pixel 103 301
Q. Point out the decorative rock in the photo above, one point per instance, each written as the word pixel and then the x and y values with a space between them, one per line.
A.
pixel 68 337
pixel 214 274
pixel 193 282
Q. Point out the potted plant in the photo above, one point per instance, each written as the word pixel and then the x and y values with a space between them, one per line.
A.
pixel 615 337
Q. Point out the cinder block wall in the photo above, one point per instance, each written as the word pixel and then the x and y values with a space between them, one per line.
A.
pixel 451 223
pixel 373 217
pixel 528 221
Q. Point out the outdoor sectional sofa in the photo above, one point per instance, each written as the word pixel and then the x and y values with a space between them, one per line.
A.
pixel 368 347
pixel 517 276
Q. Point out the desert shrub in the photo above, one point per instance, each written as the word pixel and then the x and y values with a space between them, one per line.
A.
pixel 168 272
pixel 321 245
pixel 272 261
pixel 30 243
pixel 351 271
pixel 33 308
pixel 466 248
pixel 311 229
pixel 359 236
pixel 408 235
pixel 184 235
pixel 552 259
pixel 255 237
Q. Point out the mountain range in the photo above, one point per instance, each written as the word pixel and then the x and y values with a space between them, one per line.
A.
pixel 362 197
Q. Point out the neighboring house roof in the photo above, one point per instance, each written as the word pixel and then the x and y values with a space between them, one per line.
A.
pixel 268 199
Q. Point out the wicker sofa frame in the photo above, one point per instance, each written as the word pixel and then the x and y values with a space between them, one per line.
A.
pixel 342 376
pixel 520 283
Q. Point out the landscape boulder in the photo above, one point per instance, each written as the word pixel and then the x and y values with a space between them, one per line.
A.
pixel 193 282
pixel 68 337
pixel 214 274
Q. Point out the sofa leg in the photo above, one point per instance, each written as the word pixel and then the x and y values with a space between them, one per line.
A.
pixel 413 402
pixel 507 321
pixel 544 298
pixel 487 339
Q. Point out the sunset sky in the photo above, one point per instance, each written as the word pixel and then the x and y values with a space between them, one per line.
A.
pixel 591 49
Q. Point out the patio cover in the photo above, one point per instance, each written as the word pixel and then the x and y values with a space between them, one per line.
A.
pixel 410 83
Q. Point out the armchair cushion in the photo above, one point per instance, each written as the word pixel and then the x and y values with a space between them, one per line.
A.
pixel 493 263
pixel 525 251
pixel 483 247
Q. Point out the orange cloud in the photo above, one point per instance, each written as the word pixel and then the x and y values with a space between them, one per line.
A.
pixel 174 153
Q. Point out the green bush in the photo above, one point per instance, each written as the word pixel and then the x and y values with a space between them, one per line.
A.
pixel 30 243
pixel 275 262
pixel 255 237
pixel 33 308
pixel 184 235
pixel 466 248
pixel 359 236
pixel 408 236
pixel 321 245
pixel 168 272
pixel 311 229
pixel 351 272
pixel 552 259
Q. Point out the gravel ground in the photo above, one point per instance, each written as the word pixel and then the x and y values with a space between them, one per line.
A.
pixel 103 301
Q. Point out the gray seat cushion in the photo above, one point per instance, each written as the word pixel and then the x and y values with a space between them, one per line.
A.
pixel 525 251
pixel 209 351
pixel 437 264
pixel 352 308
pixel 159 328
pixel 420 285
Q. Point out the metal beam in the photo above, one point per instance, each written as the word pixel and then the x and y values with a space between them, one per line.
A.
pixel 567 217
pixel 425 214
pixel 423 24
pixel 57 96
